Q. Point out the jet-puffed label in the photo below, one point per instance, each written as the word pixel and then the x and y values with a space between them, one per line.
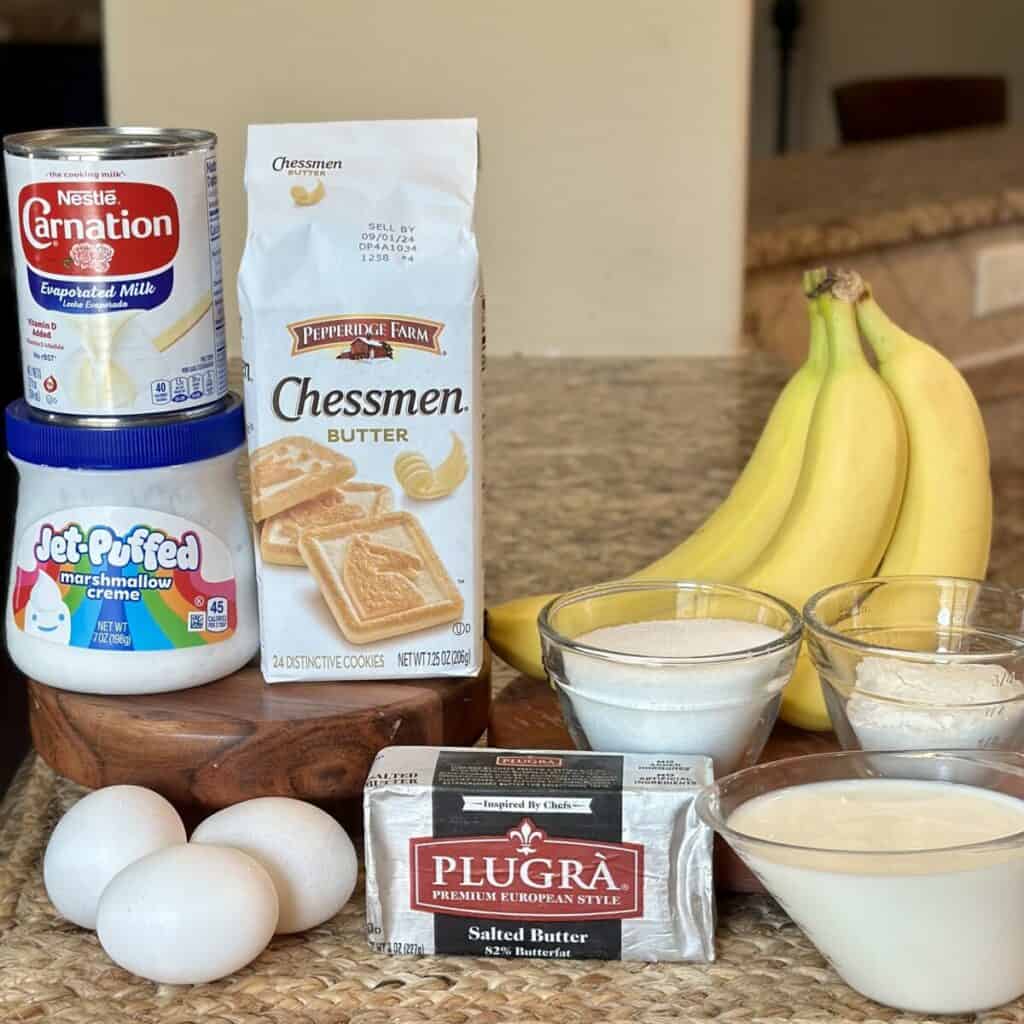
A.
pixel 123 579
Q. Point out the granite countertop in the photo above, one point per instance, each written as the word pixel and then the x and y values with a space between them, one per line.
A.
pixel 830 203
pixel 594 467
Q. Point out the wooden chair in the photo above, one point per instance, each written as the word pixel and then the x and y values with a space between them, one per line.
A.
pixel 888 108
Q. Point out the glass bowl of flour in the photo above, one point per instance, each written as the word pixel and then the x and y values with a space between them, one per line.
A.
pixel 920 662
pixel 670 667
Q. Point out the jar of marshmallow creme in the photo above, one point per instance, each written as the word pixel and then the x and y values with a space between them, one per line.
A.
pixel 132 569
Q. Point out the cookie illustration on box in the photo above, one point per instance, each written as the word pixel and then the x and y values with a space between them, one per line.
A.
pixel 380 577
pixel 292 470
pixel 279 538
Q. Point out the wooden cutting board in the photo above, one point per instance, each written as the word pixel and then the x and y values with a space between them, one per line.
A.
pixel 526 715
pixel 237 738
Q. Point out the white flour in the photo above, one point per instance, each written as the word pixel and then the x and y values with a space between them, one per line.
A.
pixel 945 717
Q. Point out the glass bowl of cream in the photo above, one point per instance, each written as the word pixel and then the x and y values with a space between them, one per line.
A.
pixel 920 662
pixel 670 666
pixel 905 869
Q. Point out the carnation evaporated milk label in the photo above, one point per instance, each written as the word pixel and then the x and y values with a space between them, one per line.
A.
pixel 123 579
pixel 117 268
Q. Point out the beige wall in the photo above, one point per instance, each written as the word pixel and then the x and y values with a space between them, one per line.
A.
pixel 613 137
pixel 842 40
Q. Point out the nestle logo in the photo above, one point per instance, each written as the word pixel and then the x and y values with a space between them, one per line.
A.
pixel 528 762
pixel 362 336
pixel 97 229
pixel 527 873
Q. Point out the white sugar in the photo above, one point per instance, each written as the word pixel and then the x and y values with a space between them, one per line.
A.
pixel 719 708
pixel 681 638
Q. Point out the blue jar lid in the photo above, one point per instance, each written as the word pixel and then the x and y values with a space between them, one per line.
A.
pixel 146 444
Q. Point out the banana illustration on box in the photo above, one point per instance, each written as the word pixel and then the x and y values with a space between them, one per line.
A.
pixel 856 473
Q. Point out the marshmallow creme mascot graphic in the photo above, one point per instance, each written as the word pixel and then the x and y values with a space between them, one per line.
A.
pixel 46 615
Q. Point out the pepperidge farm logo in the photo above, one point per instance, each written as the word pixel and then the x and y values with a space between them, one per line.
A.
pixel 366 337
pixel 527 873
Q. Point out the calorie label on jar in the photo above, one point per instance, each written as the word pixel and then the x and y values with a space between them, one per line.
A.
pixel 118 275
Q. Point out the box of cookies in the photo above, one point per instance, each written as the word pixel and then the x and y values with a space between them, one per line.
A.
pixel 363 349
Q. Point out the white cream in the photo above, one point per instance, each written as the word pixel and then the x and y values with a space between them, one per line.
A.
pixel 721 709
pixel 932 930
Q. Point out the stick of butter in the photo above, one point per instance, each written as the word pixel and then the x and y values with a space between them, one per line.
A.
pixel 530 853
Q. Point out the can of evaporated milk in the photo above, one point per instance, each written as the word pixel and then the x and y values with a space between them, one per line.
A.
pixel 116 235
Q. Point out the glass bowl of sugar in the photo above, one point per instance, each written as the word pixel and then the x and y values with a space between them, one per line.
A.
pixel 670 667
pixel 920 662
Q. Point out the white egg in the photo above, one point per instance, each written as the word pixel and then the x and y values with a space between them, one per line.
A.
pixel 307 853
pixel 103 833
pixel 188 914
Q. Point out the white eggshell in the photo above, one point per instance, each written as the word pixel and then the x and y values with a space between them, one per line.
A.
pixel 188 914
pixel 103 833
pixel 307 853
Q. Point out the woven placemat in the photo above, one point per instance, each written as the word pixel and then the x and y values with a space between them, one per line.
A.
pixel 52 971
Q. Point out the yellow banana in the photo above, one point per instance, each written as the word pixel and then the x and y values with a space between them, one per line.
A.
pixel 731 537
pixel 945 524
pixel 851 483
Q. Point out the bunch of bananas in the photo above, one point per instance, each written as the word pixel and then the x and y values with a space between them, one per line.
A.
pixel 856 473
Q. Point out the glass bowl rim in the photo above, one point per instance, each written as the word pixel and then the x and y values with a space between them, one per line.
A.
pixel 789 638
pixel 714 820
pixel 818 629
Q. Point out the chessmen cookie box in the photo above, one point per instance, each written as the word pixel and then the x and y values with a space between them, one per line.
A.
pixel 362 340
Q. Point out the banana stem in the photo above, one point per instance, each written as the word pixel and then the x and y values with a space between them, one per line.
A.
pixel 812 280
pixel 817 354
pixel 843 338
pixel 882 334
